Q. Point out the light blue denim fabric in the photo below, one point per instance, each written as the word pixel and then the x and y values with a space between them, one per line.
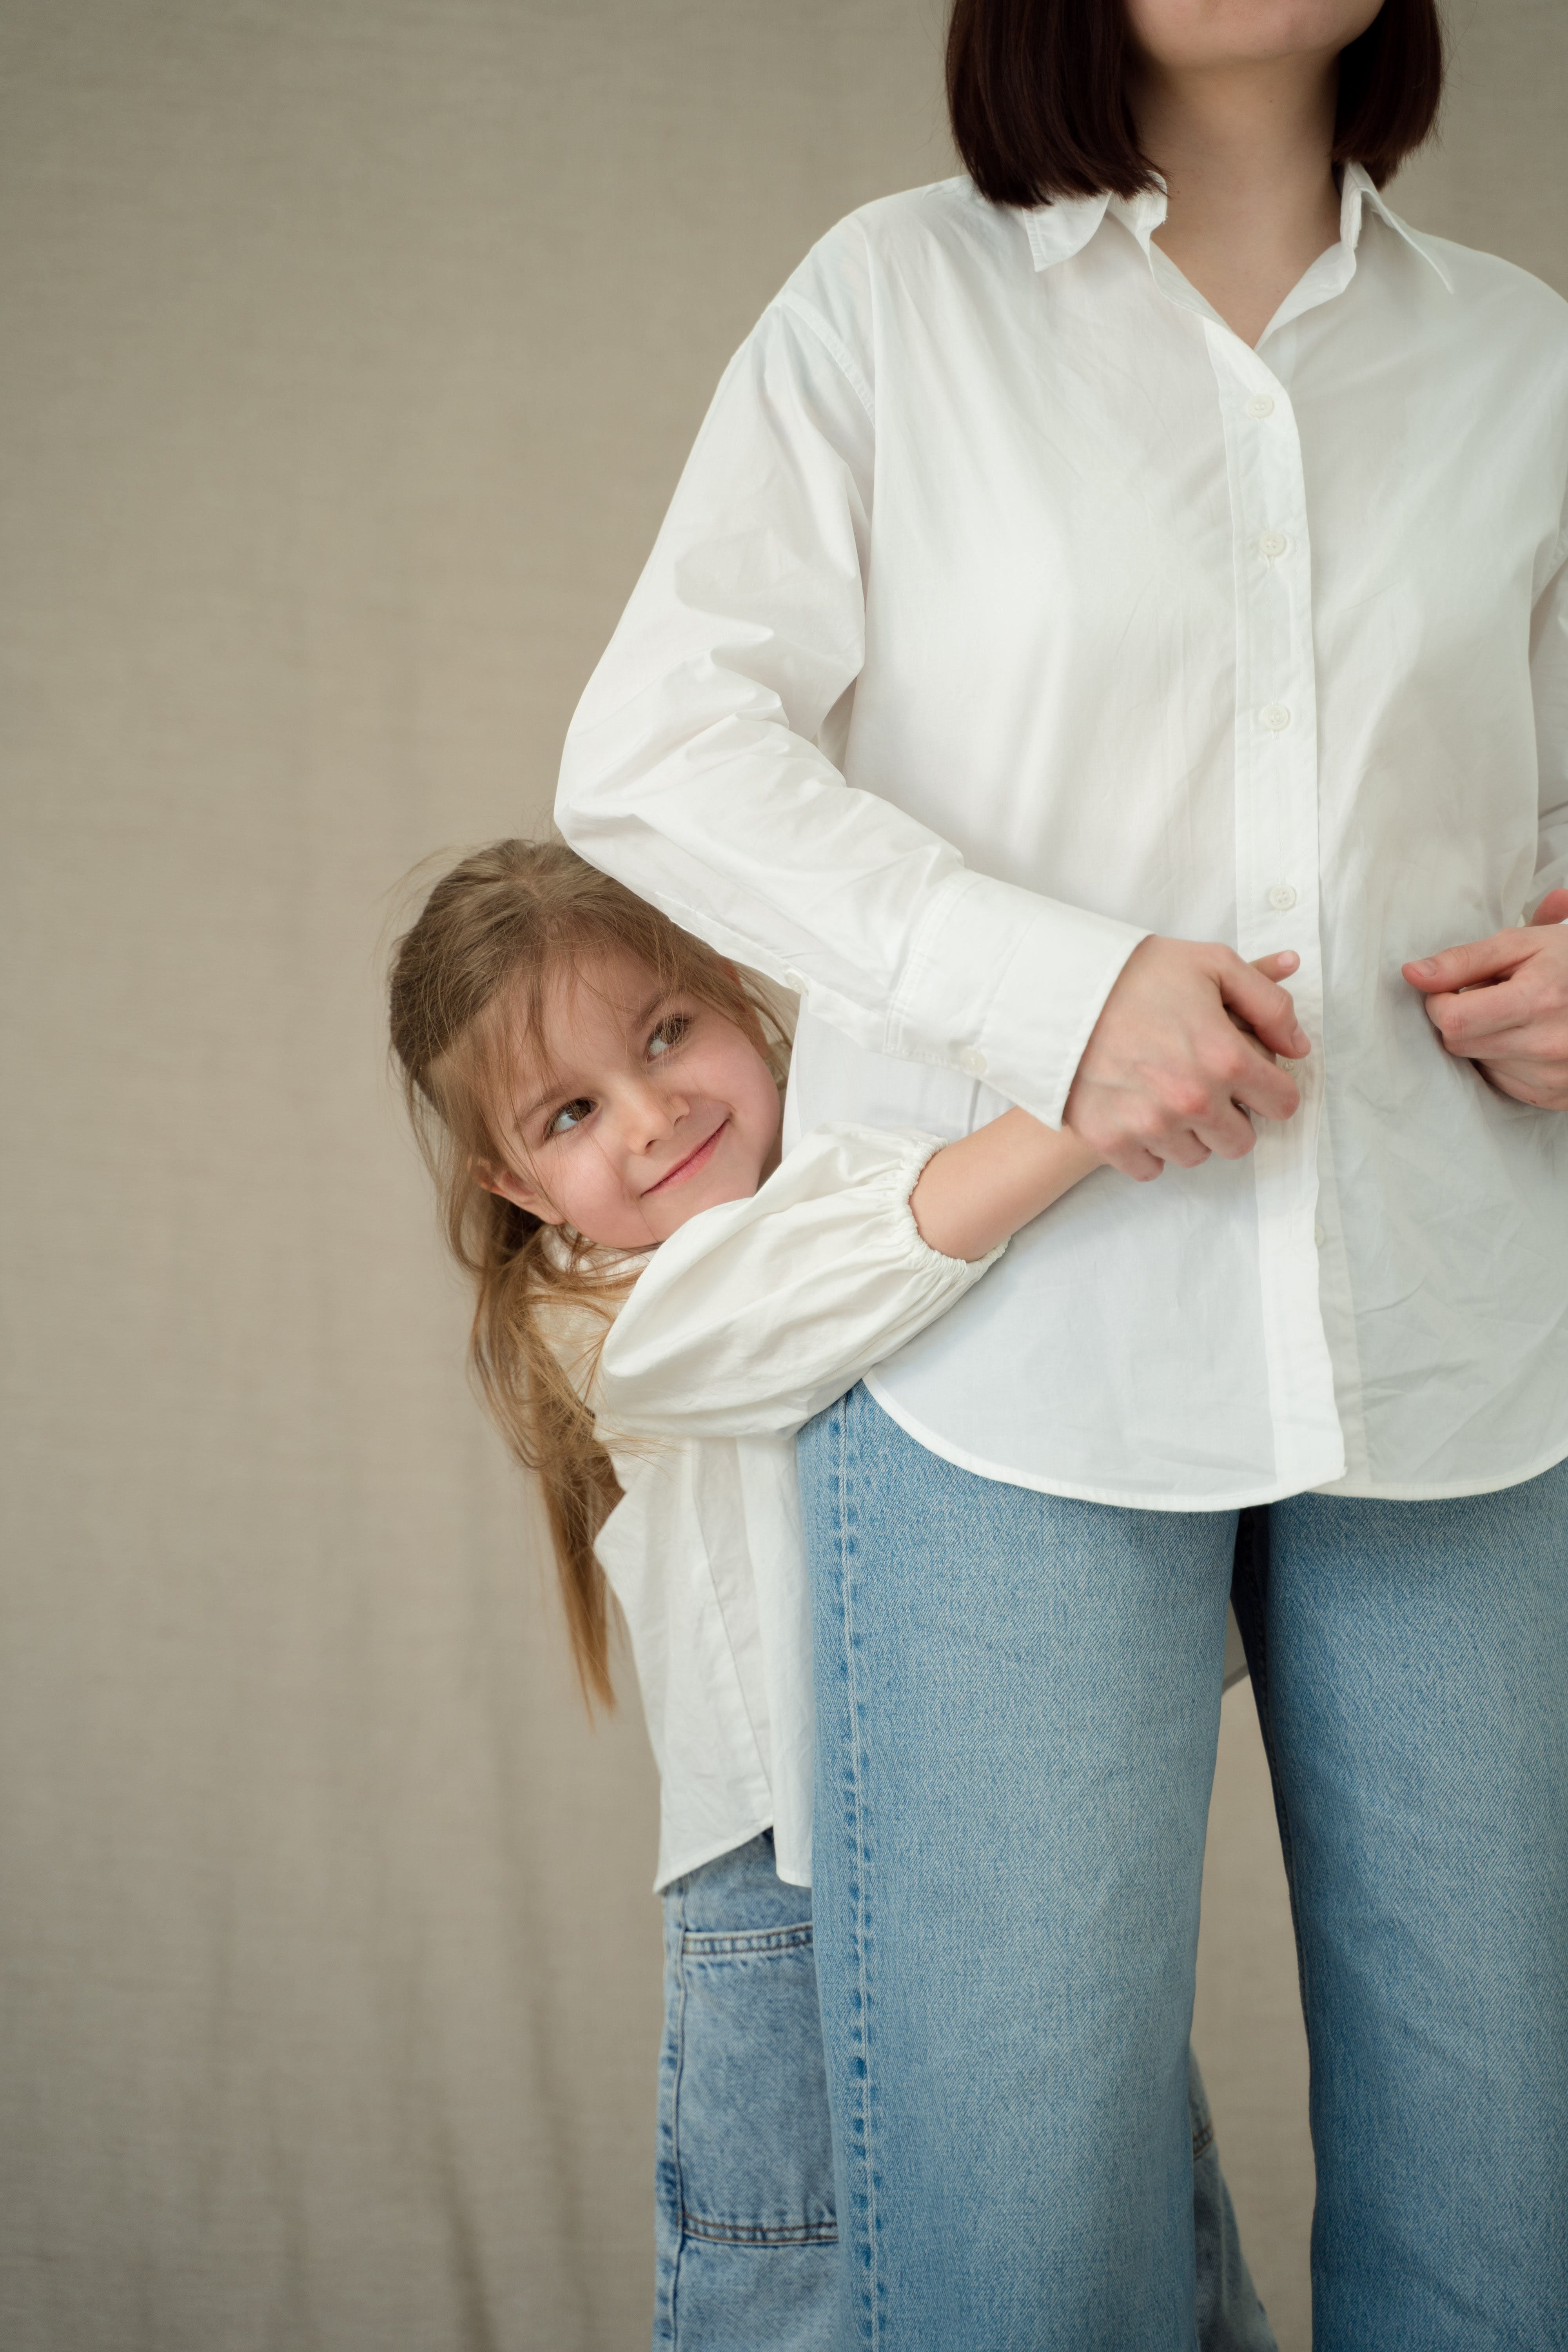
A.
pixel 747 2243
pixel 1018 1707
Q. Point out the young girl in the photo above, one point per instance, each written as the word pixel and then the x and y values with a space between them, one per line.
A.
pixel 599 1097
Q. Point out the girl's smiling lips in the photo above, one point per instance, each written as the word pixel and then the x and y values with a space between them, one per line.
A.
pixel 691 1164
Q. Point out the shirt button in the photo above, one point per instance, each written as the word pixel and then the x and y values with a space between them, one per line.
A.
pixel 1273 543
pixel 1275 717
pixel 1260 405
pixel 794 979
pixel 1282 896
pixel 973 1060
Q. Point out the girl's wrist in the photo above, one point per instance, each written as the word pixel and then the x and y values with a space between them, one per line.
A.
pixel 975 1194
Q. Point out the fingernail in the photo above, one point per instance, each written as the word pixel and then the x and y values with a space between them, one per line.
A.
pixel 1427 967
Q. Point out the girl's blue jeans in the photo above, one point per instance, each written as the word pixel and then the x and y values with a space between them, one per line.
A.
pixel 1017 1708
pixel 747 2238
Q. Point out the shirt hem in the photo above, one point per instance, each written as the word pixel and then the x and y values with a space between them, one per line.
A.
pixel 666 1876
pixel 1446 1490
pixel 1244 1497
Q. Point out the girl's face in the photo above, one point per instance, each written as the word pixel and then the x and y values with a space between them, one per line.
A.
pixel 647 1108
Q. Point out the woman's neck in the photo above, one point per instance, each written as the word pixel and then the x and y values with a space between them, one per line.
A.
pixel 1244 152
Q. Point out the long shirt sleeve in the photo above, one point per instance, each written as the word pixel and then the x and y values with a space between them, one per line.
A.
pixel 692 769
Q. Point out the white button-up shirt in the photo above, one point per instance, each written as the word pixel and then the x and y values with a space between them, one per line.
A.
pixel 1011 607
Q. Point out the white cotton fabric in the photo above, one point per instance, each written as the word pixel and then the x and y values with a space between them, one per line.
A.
pixel 738 1328
pixel 999 555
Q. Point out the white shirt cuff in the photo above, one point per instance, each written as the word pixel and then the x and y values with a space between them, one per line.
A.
pixel 1006 986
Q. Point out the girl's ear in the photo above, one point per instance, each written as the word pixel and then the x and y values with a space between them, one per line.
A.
pixel 495 1176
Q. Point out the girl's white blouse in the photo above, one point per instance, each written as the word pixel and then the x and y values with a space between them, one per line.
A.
pixel 1010 608
pixel 746 1322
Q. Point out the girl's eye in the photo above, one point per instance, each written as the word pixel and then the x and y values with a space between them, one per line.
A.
pixel 669 1033
pixel 569 1116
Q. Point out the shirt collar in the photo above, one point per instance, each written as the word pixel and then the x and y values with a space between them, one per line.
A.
pixel 1063 227
pixel 1359 189
pixel 1058 230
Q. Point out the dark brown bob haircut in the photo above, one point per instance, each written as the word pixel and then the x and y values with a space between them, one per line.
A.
pixel 1036 91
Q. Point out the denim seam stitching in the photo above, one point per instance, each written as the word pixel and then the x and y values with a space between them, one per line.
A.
pixel 710 1943
pixel 756 2234
pixel 870 2291
pixel 679 2021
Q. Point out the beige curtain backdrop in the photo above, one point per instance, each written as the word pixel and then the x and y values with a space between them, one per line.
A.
pixel 351 350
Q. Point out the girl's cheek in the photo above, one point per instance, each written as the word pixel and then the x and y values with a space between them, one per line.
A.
pixel 599 1205
pixel 581 1199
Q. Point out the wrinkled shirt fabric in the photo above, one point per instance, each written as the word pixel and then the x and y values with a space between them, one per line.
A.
pixel 1011 607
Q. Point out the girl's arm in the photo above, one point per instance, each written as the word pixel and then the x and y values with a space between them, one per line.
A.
pixel 975 1194
pixel 758 1314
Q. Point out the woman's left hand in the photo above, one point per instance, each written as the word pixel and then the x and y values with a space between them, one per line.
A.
pixel 1502 1004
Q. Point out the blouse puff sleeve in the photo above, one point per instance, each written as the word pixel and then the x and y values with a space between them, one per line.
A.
pixel 690 771
pixel 754 1316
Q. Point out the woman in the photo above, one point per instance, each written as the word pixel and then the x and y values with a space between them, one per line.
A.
pixel 1167 548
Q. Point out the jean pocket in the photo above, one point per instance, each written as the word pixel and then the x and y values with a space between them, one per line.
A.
pixel 753 2152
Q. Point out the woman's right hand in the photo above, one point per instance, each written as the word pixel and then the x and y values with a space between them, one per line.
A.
pixel 1183 1049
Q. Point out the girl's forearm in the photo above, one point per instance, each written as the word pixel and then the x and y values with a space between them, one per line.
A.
pixel 976 1193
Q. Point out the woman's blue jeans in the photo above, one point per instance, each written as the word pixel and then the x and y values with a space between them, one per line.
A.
pixel 1017 1709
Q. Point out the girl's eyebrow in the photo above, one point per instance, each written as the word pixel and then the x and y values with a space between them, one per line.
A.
pixel 526 1118
pixel 651 1007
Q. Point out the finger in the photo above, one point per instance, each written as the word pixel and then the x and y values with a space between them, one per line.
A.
pixel 1132 1160
pixel 1265 1006
pixel 1456 1024
pixel 1527 1081
pixel 1462 967
pixel 1273 967
pixel 1479 1014
pixel 1230 1138
pixel 1553 908
pixel 1261 1086
pixel 1540 1084
pixel 1184 1149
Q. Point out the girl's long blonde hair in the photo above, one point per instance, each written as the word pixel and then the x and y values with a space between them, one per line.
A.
pixel 470 979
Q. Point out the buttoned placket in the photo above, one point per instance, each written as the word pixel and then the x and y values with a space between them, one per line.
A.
pixel 1276 869
pixel 1276 857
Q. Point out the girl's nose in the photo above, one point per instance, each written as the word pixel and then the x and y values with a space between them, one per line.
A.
pixel 652 1116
